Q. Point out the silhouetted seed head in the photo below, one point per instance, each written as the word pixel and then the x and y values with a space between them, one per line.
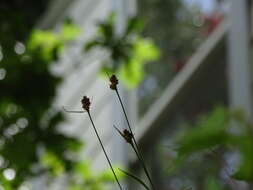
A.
pixel 86 103
pixel 128 136
pixel 114 82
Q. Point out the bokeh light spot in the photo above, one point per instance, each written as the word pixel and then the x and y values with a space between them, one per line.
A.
pixel 1 162
pixel 19 48
pixel 2 72
pixel 12 130
pixel 22 122
pixel 11 109
pixel 9 174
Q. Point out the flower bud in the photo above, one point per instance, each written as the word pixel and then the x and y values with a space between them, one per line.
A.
pixel 86 103
pixel 114 82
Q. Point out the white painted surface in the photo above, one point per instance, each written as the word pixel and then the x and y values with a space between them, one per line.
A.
pixel 239 67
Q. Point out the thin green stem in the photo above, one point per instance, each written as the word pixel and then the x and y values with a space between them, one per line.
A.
pixel 135 178
pixel 143 164
pixel 137 150
pixel 108 160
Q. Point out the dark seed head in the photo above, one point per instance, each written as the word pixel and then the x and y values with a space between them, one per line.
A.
pixel 114 82
pixel 128 136
pixel 86 103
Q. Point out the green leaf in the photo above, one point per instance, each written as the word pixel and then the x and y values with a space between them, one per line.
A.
pixel 107 175
pixel 209 132
pixel 135 178
pixel 131 74
pixel 134 25
pixel 69 31
pixel 53 163
pixel 245 171
pixel 106 29
pixel 92 44
pixel 145 50
pixel 44 41
pixel 76 187
pixel 84 170
pixel 212 184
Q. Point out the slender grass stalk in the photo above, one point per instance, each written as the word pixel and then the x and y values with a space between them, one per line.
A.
pixel 86 106
pixel 135 178
pixel 135 145
pixel 128 136
pixel 107 158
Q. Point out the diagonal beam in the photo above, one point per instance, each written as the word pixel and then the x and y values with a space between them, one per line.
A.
pixel 152 124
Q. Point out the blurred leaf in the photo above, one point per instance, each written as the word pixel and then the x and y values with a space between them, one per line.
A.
pixel 76 187
pixel 134 25
pixel 128 51
pixel 92 44
pixel 75 145
pixel 27 94
pixel 208 132
pixel 135 178
pixel 131 74
pixel 45 42
pixel 106 72
pixel 69 31
pixel 83 169
pixel 53 163
pixel 49 43
pixel 245 171
pixel 107 175
pixel 212 184
pixel 145 50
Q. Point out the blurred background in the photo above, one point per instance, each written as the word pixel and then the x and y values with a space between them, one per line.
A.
pixel 184 68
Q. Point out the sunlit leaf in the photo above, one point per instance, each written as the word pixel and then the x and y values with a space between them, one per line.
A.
pixel 128 52
pixel 145 50
pixel 52 162
pixel 83 169
pixel 45 42
pixel 107 175
pixel 131 74
pixel 69 31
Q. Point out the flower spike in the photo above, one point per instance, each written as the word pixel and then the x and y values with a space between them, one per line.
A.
pixel 114 82
pixel 127 135
pixel 86 103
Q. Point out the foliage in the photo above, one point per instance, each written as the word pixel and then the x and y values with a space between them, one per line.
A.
pixel 84 178
pixel 208 132
pixel 222 130
pixel 30 143
pixel 128 51
pixel 50 44
pixel 28 123
pixel 212 184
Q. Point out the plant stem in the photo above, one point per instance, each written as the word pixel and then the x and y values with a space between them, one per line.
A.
pixel 108 160
pixel 136 148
